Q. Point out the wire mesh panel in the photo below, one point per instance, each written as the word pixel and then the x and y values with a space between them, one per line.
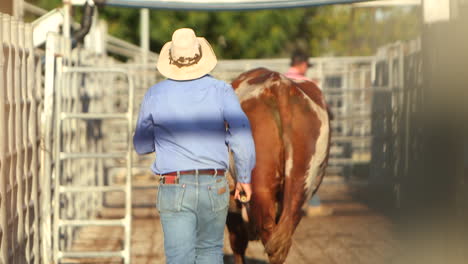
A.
pixel 19 144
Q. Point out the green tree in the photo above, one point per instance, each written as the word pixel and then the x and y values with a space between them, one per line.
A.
pixel 326 30
pixel 362 31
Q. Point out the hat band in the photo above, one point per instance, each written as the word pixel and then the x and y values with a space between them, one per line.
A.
pixel 185 61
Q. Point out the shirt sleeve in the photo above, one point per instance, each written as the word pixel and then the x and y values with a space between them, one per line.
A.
pixel 143 139
pixel 239 135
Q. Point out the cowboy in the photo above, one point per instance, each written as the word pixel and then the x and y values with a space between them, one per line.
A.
pixel 190 120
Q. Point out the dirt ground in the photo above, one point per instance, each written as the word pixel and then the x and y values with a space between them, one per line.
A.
pixel 353 234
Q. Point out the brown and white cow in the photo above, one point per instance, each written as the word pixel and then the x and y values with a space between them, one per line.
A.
pixel 290 126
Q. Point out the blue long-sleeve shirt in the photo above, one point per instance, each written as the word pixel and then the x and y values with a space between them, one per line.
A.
pixel 184 123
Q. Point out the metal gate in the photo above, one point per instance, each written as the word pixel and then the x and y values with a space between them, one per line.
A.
pixel 81 175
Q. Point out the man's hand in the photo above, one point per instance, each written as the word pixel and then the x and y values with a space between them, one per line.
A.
pixel 243 192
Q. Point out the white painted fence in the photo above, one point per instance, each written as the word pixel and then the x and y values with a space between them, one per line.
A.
pixel 20 109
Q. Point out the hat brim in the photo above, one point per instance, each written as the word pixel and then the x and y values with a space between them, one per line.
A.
pixel 205 65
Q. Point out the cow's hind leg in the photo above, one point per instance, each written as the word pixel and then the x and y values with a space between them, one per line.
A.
pixel 265 186
pixel 238 236
pixel 267 174
pixel 280 241
pixel 264 211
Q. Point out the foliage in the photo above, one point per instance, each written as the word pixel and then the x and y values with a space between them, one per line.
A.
pixel 327 30
pixel 361 31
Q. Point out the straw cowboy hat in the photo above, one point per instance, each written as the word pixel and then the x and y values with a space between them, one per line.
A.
pixel 186 57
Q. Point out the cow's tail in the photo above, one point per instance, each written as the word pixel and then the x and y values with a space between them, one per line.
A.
pixel 280 241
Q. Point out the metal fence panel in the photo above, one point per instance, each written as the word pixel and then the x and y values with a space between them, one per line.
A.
pixel 28 146
pixel 19 144
pixel 398 71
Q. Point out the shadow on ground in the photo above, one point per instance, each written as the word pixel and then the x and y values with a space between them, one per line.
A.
pixel 229 259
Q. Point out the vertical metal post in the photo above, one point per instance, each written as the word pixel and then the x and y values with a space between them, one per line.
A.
pixel 144 39
pixel 16 167
pixel 390 59
pixel 57 136
pixel 23 184
pixel 401 60
pixel 66 18
pixel 321 74
pixel 67 96
pixel 128 193
pixel 18 9
pixel 37 93
pixel 364 109
pixel 345 98
pixel 10 139
pixel 408 93
pixel 14 136
pixel 47 150
pixel 3 152
pixel 33 241
pixel 364 91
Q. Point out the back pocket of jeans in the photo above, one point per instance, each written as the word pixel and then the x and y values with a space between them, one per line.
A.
pixel 219 195
pixel 170 197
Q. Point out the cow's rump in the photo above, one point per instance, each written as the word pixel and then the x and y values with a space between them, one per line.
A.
pixel 290 127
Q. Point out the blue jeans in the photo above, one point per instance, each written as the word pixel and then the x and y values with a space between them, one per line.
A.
pixel 193 215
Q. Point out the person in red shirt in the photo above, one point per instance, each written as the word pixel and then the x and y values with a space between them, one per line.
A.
pixel 299 66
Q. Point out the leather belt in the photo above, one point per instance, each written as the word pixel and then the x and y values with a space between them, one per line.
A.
pixel 193 172
pixel 172 177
